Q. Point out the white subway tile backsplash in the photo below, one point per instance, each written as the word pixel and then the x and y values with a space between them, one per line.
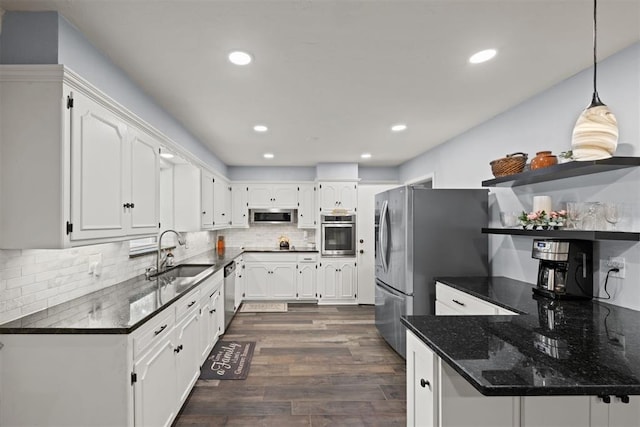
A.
pixel 35 279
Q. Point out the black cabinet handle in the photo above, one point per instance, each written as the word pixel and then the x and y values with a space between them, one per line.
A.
pixel 623 398
pixel 177 349
pixel 361 251
pixel 126 205
pixel 162 328
pixel 458 302
pixel 204 212
pixel 133 205
pixel 361 241
pixel 424 383
pixel 605 398
pixel 212 311
pixel 191 304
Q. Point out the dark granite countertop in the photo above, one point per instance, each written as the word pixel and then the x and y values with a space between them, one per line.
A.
pixel 553 348
pixel 117 309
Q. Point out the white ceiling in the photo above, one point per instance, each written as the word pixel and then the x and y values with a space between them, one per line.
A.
pixel 330 77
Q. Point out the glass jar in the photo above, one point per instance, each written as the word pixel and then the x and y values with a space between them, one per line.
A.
pixel 220 246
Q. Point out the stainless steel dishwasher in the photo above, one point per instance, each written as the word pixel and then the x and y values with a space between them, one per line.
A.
pixel 229 292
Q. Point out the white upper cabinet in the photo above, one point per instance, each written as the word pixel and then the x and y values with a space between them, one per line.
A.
pixel 82 168
pixel 239 205
pixel 307 206
pixel 99 160
pixel 267 195
pixel 221 202
pixel 206 199
pixel 145 183
pixel 338 195
pixel 186 197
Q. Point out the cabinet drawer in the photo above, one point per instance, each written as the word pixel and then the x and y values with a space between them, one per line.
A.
pixel 269 257
pixel 463 302
pixel 307 257
pixel 187 304
pixel 153 331
pixel 211 284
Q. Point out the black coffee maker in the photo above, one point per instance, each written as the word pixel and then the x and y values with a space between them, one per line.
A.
pixel 565 270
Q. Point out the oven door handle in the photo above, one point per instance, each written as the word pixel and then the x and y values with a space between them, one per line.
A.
pixel 382 234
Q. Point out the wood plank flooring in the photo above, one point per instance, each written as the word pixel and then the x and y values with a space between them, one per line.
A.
pixel 312 366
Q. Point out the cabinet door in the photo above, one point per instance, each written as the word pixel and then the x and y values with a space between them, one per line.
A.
pixel 221 195
pixel 187 356
pixel 256 281
pixel 551 411
pixel 422 384
pixel 145 184
pixel 624 414
pixel 98 171
pixel 240 280
pixel 282 283
pixel 328 197
pixel 329 275
pixel 218 305
pixel 155 387
pixel 285 196
pixel 206 198
pixel 348 196
pixel 462 405
pixel 306 281
pixel 259 196
pixel 239 206
pixel 187 195
pixel 206 333
pixel 347 273
pixel 307 206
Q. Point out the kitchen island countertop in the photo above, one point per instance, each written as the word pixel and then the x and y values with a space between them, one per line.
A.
pixel 552 348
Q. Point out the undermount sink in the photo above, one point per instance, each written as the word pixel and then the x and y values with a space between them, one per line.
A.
pixel 186 270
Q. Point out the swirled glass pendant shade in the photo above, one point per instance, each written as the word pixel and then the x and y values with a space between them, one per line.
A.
pixel 595 135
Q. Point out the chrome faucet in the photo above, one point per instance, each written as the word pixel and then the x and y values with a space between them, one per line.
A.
pixel 160 262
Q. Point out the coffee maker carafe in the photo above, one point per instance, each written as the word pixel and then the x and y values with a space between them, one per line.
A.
pixel 565 270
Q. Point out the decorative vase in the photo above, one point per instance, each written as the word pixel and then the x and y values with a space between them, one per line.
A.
pixel 543 159
pixel 595 135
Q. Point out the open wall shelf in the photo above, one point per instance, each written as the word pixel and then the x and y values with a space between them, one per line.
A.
pixel 563 170
pixel 567 234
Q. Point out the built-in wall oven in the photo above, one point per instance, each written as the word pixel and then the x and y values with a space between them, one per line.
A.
pixel 338 235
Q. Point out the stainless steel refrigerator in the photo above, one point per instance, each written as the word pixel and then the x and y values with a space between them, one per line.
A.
pixel 422 234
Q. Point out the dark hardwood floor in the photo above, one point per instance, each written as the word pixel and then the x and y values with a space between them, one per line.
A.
pixel 312 366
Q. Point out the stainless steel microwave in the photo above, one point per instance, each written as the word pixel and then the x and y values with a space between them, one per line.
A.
pixel 273 216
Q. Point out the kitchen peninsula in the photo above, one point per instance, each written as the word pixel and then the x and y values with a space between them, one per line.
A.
pixel 558 363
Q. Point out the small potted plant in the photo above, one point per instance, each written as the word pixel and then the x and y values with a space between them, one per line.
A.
pixel 565 156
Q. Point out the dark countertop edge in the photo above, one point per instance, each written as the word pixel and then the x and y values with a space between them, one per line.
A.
pixel 233 252
pixel 450 281
pixel 515 390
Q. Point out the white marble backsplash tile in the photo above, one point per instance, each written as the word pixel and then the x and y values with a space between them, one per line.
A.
pixel 34 279
pixel 267 236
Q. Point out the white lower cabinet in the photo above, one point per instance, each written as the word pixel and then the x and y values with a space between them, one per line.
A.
pixel 452 302
pixel 279 276
pixel 154 389
pixel 137 379
pixel 211 314
pixel 421 384
pixel 337 281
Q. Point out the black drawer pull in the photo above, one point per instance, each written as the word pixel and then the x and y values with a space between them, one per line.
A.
pixel 191 304
pixel 177 349
pixel 458 302
pixel 424 383
pixel 212 311
pixel 162 328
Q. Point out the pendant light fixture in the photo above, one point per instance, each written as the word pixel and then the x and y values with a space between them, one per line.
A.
pixel 595 135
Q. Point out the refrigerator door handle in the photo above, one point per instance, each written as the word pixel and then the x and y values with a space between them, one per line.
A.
pixel 382 234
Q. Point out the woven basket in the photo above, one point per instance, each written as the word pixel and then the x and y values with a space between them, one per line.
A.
pixel 509 165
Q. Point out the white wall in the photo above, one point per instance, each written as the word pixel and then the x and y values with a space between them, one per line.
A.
pixel 545 122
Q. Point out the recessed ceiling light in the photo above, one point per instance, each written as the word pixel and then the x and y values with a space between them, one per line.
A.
pixel 482 56
pixel 166 155
pixel 239 58
pixel 268 155
pixel 399 127
pixel 260 128
pixel 365 155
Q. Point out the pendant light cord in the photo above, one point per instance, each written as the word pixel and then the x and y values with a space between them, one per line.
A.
pixel 596 99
